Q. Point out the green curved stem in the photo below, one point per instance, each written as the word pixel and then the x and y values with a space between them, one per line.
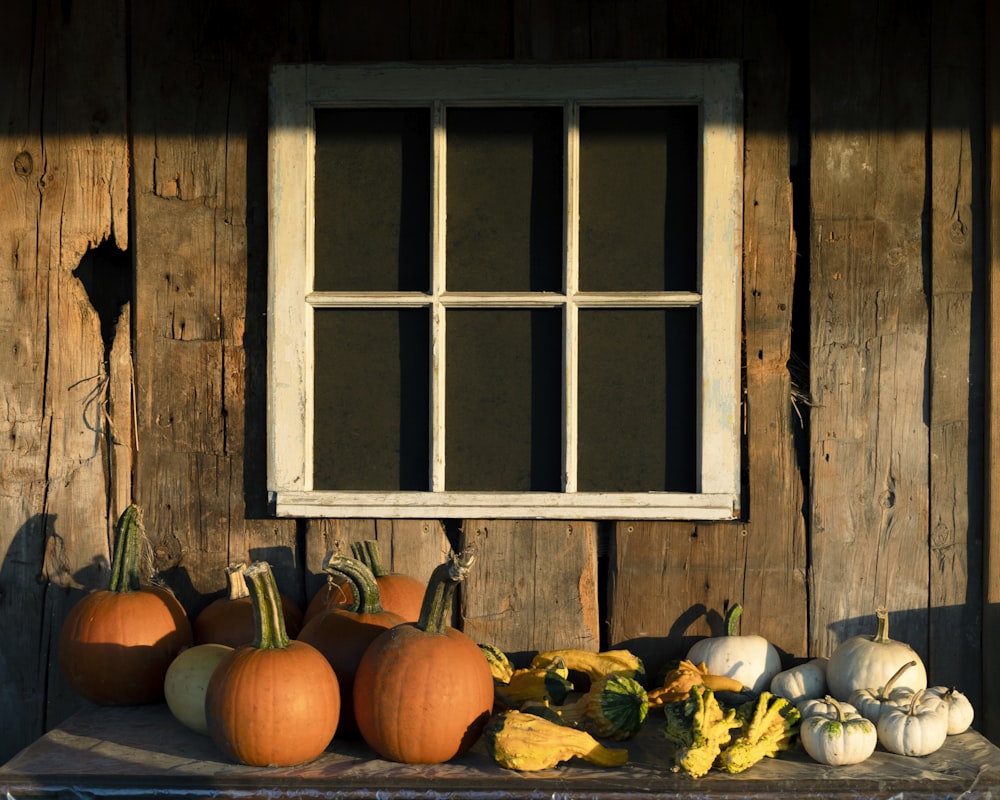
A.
pixel 268 613
pixel 435 613
pixel 128 540
pixel 364 587
pixel 733 618
pixel 367 552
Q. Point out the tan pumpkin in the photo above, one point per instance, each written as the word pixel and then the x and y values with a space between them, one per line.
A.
pixel 187 680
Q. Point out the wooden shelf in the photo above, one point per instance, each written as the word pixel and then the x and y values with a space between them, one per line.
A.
pixel 136 752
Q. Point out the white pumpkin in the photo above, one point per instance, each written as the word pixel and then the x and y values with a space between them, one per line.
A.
pixel 750 659
pixel 839 738
pixel 960 710
pixel 186 682
pixel 917 729
pixel 868 662
pixel 871 702
pixel 802 682
pixel 825 706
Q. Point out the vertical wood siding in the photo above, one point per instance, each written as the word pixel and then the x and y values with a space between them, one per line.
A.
pixel 145 128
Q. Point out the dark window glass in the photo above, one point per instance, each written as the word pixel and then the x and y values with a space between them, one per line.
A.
pixel 504 400
pixel 372 199
pixel 505 199
pixel 637 400
pixel 372 399
pixel 639 199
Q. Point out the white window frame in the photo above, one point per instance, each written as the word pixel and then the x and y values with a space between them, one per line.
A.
pixel 296 91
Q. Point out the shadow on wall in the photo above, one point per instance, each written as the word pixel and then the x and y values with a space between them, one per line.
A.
pixel 959 626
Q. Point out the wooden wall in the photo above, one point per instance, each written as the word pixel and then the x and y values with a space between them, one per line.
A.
pixel 134 141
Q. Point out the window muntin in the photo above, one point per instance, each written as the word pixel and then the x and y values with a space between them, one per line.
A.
pixel 508 285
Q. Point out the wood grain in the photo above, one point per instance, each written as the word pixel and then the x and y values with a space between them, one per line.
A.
pixel 869 326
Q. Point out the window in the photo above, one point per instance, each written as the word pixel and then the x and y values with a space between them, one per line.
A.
pixel 505 291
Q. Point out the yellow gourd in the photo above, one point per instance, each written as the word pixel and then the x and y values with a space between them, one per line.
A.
pixel 595 665
pixel 526 742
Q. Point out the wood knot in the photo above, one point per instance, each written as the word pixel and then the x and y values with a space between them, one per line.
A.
pixel 24 164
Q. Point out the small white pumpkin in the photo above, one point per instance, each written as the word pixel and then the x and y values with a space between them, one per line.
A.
pixel 839 738
pixel 186 683
pixel 871 702
pixel 960 710
pixel 825 706
pixel 802 682
pixel 748 658
pixel 866 662
pixel 917 729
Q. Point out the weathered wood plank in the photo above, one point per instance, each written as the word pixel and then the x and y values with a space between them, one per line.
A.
pixel 533 586
pixel 551 30
pixel 634 29
pixel 199 106
pixel 64 192
pixel 457 30
pixel 669 584
pixel 345 30
pixel 956 357
pixel 869 322
pixel 990 722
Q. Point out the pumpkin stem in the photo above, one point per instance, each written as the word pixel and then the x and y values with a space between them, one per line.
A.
pixel 128 540
pixel 733 618
pixel 364 588
pixel 237 582
pixel 884 691
pixel 367 553
pixel 268 614
pixel 917 695
pixel 436 610
pixel 882 632
pixel 836 704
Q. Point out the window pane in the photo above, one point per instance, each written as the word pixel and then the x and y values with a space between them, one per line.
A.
pixel 372 199
pixel 639 198
pixel 372 407
pixel 505 199
pixel 637 401
pixel 503 400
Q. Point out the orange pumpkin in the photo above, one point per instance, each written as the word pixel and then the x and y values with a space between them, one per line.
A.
pixel 423 690
pixel 276 701
pixel 400 593
pixel 116 644
pixel 343 634
pixel 229 619
pixel 335 593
